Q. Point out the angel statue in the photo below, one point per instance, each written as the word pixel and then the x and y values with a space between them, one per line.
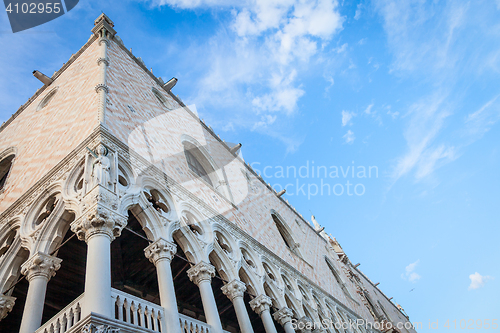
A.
pixel 101 168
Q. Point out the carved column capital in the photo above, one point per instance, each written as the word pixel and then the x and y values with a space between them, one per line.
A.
pixel 201 272
pixel 41 264
pixel 6 305
pixel 99 215
pixel 99 221
pixel 234 289
pixel 283 316
pixel 160 250
pixel 261 303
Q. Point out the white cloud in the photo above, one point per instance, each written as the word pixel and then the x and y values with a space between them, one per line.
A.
pixel 368 109
pixel 477 280
pixel 357 15
pixel 256 65
pixel 346 117
pixel 426 120
pixel 410 273
pixel 349 137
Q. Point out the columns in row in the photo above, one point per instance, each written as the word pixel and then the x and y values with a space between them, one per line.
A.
pixel 202 274
pixel 40 267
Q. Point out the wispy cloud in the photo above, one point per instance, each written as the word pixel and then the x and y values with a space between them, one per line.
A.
pixel 346 117
pixel 478 281
pixel 357 15
pixel 349 137
pixel 410 273
pixel 433 43
pixel 368 109
pixel 481 121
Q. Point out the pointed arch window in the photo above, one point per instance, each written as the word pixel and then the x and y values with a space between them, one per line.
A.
pixel 162 99
pixel 5 167
pixel 196 167
pixel 336 274
pixel 286 234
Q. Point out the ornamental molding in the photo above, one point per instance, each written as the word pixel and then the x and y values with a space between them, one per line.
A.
pixel 91 328
pixel 104 41
pixel 160 250
pixel 101 135
pixel 182 194
pixel 283 316
pixel 102 60
pixel 234 289
pixel 101 86
pixel 201 272
pixel 6 305
pixel 261 303
pixel 40 264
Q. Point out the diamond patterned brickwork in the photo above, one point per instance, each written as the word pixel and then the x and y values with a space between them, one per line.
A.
pixel 43 138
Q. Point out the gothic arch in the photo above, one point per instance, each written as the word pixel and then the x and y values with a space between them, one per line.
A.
pixel 250 258
pixel 13 257
pixel 216 174
pixel 285 232
pixel 224 265
pixel 40 229
pixel 7 158
pixel 192 243
pixel 337 276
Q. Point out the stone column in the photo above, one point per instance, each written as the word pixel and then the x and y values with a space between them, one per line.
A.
pixel 98 228
pixel 262 305
pixel 201 274
pixel 6 305
pixel 161 253
pixel 234 290
pixel 284 317
pixel 39 268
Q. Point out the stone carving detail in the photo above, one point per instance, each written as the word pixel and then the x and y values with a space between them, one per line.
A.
pixel 41 264
pixel 6 305
pixel 161 249
pixel 99 220
pixel 283 316
pixel 101 86
pixel 261 303
pixel 234 289
pixel 104 60
pixel 91 328
pixel 201 272
pixel 101 168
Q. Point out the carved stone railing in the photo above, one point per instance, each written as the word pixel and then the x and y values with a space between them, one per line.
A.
pixel 138 312
pixel 65 319
pixel 134 314
pixel 191 325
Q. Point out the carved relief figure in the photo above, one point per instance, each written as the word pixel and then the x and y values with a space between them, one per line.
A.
pixel 101 168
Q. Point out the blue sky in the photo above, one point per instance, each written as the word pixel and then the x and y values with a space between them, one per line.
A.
pixel 410 87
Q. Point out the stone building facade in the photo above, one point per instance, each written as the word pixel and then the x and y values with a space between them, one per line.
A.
pixel 122 211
